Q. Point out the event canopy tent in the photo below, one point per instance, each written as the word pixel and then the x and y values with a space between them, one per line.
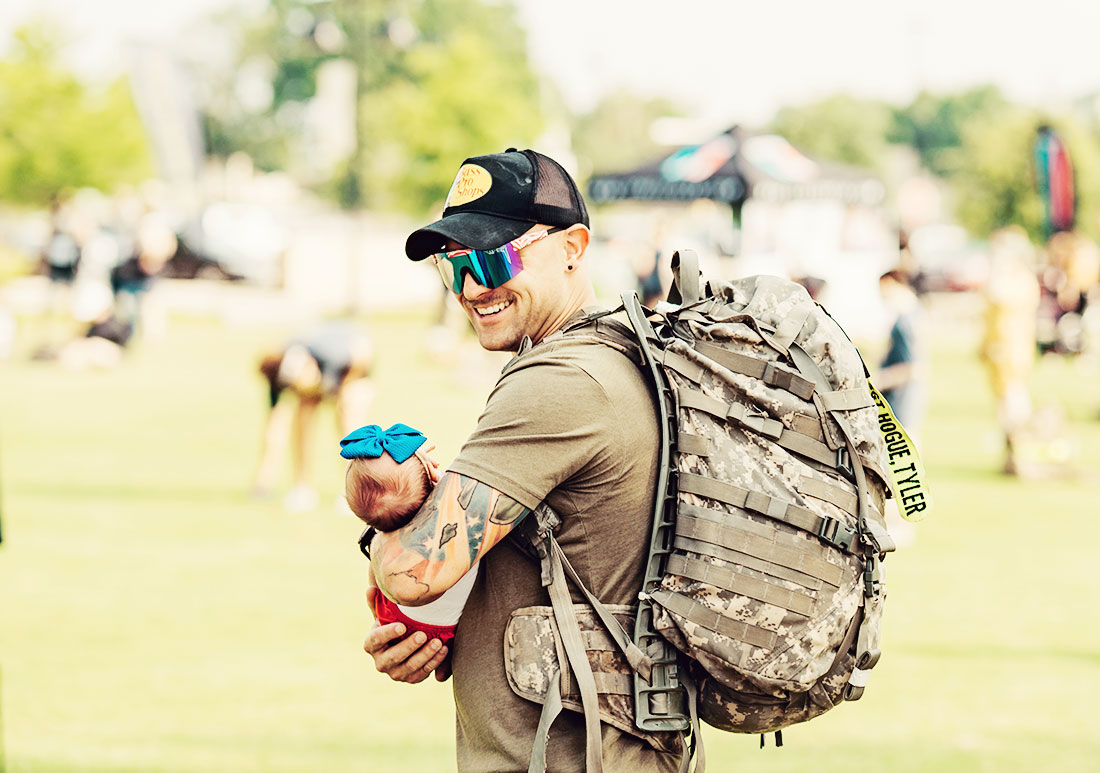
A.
pixel 794 216
pixel 735 166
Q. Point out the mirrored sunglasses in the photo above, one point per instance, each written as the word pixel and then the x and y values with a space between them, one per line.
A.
pixel 489 268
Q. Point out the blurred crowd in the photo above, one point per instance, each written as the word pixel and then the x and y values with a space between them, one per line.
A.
pixel 1036 302
pixel 101 257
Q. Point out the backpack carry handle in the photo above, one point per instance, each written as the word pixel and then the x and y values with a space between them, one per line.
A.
pixel 686 283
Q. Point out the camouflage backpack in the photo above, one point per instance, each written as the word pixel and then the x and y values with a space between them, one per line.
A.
pixel 764 591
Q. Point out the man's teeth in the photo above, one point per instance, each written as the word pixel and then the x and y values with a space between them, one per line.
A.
pixel 485 311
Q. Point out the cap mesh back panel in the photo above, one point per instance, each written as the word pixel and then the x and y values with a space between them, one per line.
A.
pixel 557 200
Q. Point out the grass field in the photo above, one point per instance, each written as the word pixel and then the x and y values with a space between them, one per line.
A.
pixel 155 618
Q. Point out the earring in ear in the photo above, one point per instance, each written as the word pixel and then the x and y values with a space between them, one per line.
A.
pixel 569 267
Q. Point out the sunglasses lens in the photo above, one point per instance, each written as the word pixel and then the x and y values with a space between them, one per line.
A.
pixel 446 269
pixel 489 268
pixel 499 265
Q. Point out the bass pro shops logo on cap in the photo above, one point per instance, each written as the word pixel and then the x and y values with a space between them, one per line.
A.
pixel 471 183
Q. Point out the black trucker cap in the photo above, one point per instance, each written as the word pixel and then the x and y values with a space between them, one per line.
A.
pixel 498 197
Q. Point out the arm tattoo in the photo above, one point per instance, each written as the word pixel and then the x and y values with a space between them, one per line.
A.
pixel 506 511
pixel 461 519
pixel 449 532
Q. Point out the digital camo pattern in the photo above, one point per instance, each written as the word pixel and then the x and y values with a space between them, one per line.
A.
pixel 746 711
pixel 771 300
pixel 805 663
pixel 533 651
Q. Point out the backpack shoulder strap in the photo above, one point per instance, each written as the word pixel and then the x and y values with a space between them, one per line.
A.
pixel 686 283
pixel 536 537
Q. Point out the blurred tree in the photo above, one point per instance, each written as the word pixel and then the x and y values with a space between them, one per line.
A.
pixel 839 128
pixel 466 89
pixel 434 80
pixel 55 132
pixel 615 135
pixel 994 182
pixel 933 124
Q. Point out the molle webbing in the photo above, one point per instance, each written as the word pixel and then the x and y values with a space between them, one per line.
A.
pixel 729 579
pixel 714 621
pixel 606 683
pixel 829 529
pixel 803 558
pixel 768 371
pixel 772 569
pixel 828 492
pixel 760 423
pixel 845 399
pixel 808 426
pixel 762 541
pixel 599 641
pixel 735 543
pixel 791 325
pixel 795 442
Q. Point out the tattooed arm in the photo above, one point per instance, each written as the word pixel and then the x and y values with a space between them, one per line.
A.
pixel 460 520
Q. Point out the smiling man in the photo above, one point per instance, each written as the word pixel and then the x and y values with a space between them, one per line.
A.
pixel 570 422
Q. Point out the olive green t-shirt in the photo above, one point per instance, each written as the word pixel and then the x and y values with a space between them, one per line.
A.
pixel 574 423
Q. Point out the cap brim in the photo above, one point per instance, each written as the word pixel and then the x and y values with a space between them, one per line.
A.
pixel 470 229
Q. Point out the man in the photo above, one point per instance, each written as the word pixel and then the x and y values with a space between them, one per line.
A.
pixel 569 422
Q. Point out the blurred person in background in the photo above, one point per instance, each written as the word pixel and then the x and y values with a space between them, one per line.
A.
pixel 1069 280
pixel 105 336
pixel 131 278
pixel 332 361
pixel 1009 344
pixel 646 263
pixel 61 254
pixel 70 229
pixel 902 376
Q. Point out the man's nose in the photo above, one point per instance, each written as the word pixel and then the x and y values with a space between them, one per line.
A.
pixel 471 288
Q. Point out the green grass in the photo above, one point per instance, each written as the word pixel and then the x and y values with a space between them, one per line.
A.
pixel 155 618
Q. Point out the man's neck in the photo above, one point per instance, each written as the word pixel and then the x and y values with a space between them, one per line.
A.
pixel 569 310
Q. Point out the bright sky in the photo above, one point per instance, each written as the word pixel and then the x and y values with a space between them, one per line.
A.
pixel 726 60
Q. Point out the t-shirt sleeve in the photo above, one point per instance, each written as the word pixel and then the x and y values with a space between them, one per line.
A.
pixel 544 424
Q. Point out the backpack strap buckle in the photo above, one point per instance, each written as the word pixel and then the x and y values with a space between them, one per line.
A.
pixel 835 533
pixel 844 463
pixel 872 576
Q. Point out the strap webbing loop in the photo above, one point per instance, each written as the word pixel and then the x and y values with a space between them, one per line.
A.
pixel 846 399
pixel 709 619
pixel 726 578
pixel 839 535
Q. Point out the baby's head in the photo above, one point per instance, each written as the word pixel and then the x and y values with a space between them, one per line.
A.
pixel 389 474
pixel 384 493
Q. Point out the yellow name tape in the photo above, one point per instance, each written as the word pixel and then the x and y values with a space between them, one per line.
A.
pixel 908 481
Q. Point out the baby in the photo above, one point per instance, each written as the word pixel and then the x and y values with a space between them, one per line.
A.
pixel 388 478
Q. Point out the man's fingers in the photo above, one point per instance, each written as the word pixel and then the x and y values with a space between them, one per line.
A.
pixel 380 637
pixel 409 660
pixel 416 666
pixel 443 670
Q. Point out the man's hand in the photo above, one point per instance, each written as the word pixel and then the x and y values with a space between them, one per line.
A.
pixel 405 658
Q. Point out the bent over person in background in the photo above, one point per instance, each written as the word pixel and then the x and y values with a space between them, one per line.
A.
pixel 570 422
pixel 331 361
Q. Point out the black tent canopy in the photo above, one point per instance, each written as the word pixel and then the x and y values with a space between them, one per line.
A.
pixel 734 166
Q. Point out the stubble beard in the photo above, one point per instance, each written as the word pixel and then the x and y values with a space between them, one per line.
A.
pixel 493 338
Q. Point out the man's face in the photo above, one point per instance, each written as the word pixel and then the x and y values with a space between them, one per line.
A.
pixel 528 304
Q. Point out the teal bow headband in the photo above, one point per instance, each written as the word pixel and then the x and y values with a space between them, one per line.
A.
pixel 399 441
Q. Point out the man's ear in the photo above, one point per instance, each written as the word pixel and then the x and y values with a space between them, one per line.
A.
pixel 577 238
